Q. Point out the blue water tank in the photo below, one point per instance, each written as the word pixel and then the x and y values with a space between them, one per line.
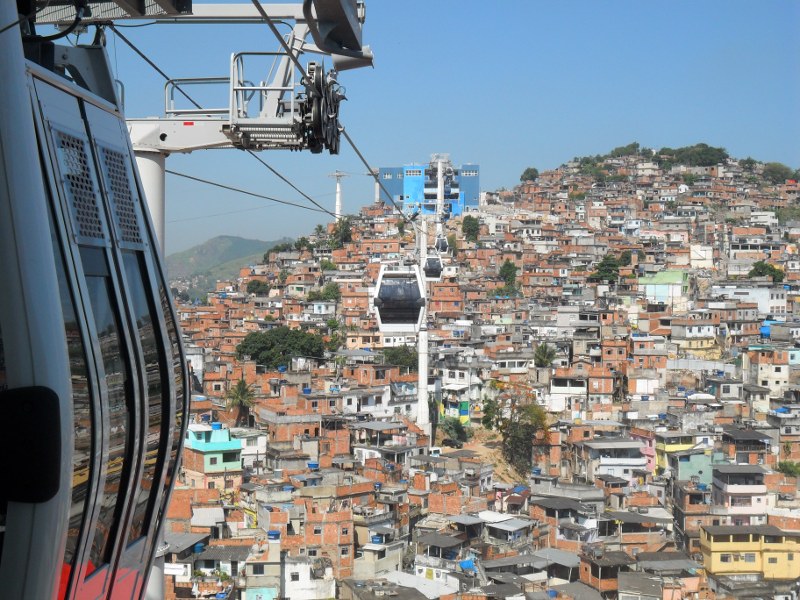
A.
pixel 376 539
pixel 273 534
pixel 552 593
pixel 216 426
pixel 378 485
pixel 205 418
pixel 313 466
pixel 198 547
pixel 306 390
pixel 282 369
pixel 288 488
pixel 537 471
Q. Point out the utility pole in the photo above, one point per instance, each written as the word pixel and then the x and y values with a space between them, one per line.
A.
pixel 338 175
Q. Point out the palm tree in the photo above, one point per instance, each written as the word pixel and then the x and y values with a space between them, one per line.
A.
pixel 241 397
pixel 544 355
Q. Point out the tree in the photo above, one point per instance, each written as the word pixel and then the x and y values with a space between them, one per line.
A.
pixel 302 244
pixel 519 427
pixel 470 227
pixel 530 174
pixel 342 232
pixel 319 231
pixel 607 269
pixel 508 272
pixel 401 227
pixel 777 173
pixel 764 269
pixel 402 356
pixel 327 265
pixel 544 355
pixel 748 164
pixel 258 287
pixel 787 467
pixel 241 397
pixel 453 428
pixel 278 346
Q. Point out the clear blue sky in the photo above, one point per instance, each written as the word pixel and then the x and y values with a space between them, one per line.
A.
pixel 505 84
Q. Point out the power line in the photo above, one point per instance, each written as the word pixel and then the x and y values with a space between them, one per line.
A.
pixel 374 174
pixel 241 191
pixel 293 186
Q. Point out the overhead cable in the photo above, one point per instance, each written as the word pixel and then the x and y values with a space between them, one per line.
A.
pixel 241 191
pixel 374 174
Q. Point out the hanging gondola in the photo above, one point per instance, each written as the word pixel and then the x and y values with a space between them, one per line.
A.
pixel 433 268
pixel 399 299
pixel 441 245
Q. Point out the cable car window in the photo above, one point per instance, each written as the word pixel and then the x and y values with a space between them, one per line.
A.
pixel 155 373
pixel 118 410
pixel 180 400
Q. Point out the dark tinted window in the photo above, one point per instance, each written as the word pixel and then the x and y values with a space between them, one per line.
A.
pixel 155 373
pixel 117 402
pixel 177 372
pixel 82 416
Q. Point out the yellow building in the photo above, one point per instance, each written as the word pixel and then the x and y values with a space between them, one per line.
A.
pixel 765 550
pixel 668 442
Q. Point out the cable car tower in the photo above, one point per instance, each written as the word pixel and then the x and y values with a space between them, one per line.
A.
pixel 93 376
pixel 287 107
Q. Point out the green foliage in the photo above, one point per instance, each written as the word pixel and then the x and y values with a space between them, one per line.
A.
pixel 544 355
pixel 689 179
pixel 748 164
pixel 607 269
pixel 303 244
pixel 283 276
pixel 762 269
pixel 402 356
pixel 453 428
pixel 699 155
pixel 530 174
pixel 508 272
pixel 777 173
pixel 787 467
pixel 240 395
pixel 629 150
pixel 401 227
pixel 342 232
pixel 258 287
pixel 332 324
pixel 327 265
pixel 470 227
pixel 277 346
pixel 625 258
pixel 518 427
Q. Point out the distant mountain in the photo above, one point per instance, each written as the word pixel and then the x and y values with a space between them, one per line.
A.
pixel 218 258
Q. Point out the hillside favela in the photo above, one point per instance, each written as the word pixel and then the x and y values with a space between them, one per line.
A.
pixel 584 385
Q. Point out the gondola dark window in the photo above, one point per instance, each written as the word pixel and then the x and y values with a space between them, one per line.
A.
pixel 155 373
pixel 118 408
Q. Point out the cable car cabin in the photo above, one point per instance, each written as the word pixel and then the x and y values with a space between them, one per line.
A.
pixel 399 299
pixel 433 268
pixel 441 245
pixel 92 373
